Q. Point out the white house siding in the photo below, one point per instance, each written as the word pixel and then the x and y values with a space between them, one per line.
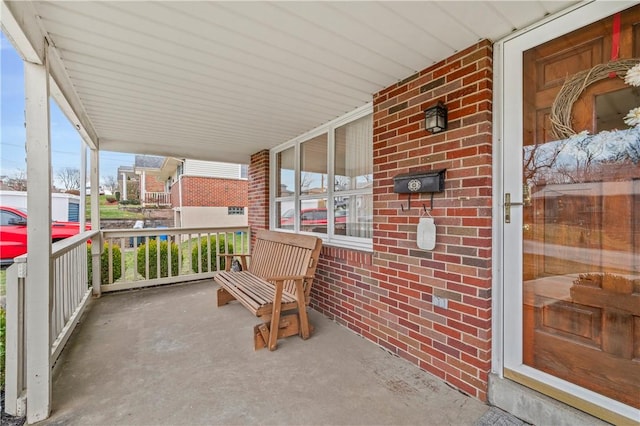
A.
pixel 210 216
pixel 211 169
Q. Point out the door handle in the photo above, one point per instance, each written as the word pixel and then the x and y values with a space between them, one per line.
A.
pixel 507 206
pixel 526 194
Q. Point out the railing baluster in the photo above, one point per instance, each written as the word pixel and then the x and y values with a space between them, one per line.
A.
pixel 110 262
pixel 169 272
pixel 189 253
pixel 199 252
pixel 135 258
pixel 178 241
pixel 61 290
pixel 146 254
pixel 218 251
pixel 158 257
pixel 209 251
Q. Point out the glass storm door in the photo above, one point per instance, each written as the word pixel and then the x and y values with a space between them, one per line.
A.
pixel 575 214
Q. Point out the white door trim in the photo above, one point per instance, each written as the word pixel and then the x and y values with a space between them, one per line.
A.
pixel 507 177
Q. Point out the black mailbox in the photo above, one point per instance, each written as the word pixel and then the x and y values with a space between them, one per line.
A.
pixel 418 182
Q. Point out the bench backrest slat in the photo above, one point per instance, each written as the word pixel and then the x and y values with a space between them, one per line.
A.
pixel 279 253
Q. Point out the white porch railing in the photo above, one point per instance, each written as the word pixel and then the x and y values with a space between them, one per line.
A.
pixel 71 288
pixel 70 295
pixel 191 252
pixel 15 380
pixel 157 198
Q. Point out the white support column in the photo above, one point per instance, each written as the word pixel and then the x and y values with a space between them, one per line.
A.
pixel 96 243
pixel 39 265
pixel 143 186
pixel 83 185
pixel 124 187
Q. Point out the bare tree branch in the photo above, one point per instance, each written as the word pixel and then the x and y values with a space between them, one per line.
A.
pixel 110 183
pixel 18 181
pixel 69 177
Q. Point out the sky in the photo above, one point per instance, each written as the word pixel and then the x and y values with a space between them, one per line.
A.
pixel 65 140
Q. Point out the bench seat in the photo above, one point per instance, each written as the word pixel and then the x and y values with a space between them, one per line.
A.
pixel 253 292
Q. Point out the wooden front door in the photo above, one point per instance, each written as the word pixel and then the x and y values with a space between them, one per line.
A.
pixel 581 218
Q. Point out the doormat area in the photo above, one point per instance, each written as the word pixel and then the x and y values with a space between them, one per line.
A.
pixel 496 417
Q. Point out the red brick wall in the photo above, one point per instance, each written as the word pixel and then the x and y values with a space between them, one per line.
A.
pixel 175 194
pixel 387 296
pixel 258 174
pixel 211 192
pixel 153 184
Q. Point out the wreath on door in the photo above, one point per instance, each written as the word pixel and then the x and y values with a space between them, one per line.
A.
pixel 629 69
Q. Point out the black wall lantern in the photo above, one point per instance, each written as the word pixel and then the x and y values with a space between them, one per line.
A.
pixel 435 118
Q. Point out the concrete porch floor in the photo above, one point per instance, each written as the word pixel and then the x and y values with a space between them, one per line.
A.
pixel 170 356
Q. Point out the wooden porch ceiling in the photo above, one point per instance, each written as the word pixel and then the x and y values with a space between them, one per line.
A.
pixel 222 80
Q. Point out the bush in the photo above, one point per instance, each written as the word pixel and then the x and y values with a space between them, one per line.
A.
pixel 104 264
pixel 111 199
pixel 153 259
pixel 117 194
pixel 133 202
pixel 216 247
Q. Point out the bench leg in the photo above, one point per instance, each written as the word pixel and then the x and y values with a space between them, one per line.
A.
pixel 260 336
pixel 289 326
pixel 275 317
pixel 224 297
pixel 302 311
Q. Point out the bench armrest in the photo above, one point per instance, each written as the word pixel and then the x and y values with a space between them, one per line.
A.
pixel 301 289
pixel 289 277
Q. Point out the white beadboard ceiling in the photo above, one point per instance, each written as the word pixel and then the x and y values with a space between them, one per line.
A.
pixel 222 80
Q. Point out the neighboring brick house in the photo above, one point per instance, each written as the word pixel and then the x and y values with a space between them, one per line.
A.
pixel 205 193
pixel 143 181
pixel 201 193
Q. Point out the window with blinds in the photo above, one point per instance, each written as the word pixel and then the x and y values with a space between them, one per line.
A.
pixel 323 182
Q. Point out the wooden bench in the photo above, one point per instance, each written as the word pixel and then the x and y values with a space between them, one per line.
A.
pixel 276 280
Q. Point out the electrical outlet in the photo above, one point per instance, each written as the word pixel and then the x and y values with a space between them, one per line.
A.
pixel 440 302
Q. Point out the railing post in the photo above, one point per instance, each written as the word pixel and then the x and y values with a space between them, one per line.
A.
pixel 96 243
pixel 15 397
pixel 96 267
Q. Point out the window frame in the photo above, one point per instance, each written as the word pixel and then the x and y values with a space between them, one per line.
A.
pixel 359 243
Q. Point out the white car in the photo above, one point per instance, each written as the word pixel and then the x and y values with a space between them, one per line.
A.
pixel 101 190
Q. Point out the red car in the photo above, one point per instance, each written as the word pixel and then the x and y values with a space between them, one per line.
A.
pixel 13 233
pixel 314 220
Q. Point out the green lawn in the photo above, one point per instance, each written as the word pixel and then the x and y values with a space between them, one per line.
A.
pixel 3 282
pixel 113 211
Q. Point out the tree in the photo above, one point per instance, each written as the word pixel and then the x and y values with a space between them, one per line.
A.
pixel 69 177
pixel 18 181
pixel 110 183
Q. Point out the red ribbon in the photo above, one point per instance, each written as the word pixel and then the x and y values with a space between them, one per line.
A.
pixel 615 41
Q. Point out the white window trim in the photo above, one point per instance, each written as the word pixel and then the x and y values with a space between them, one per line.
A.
pixel 507 311
pixel 357 243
